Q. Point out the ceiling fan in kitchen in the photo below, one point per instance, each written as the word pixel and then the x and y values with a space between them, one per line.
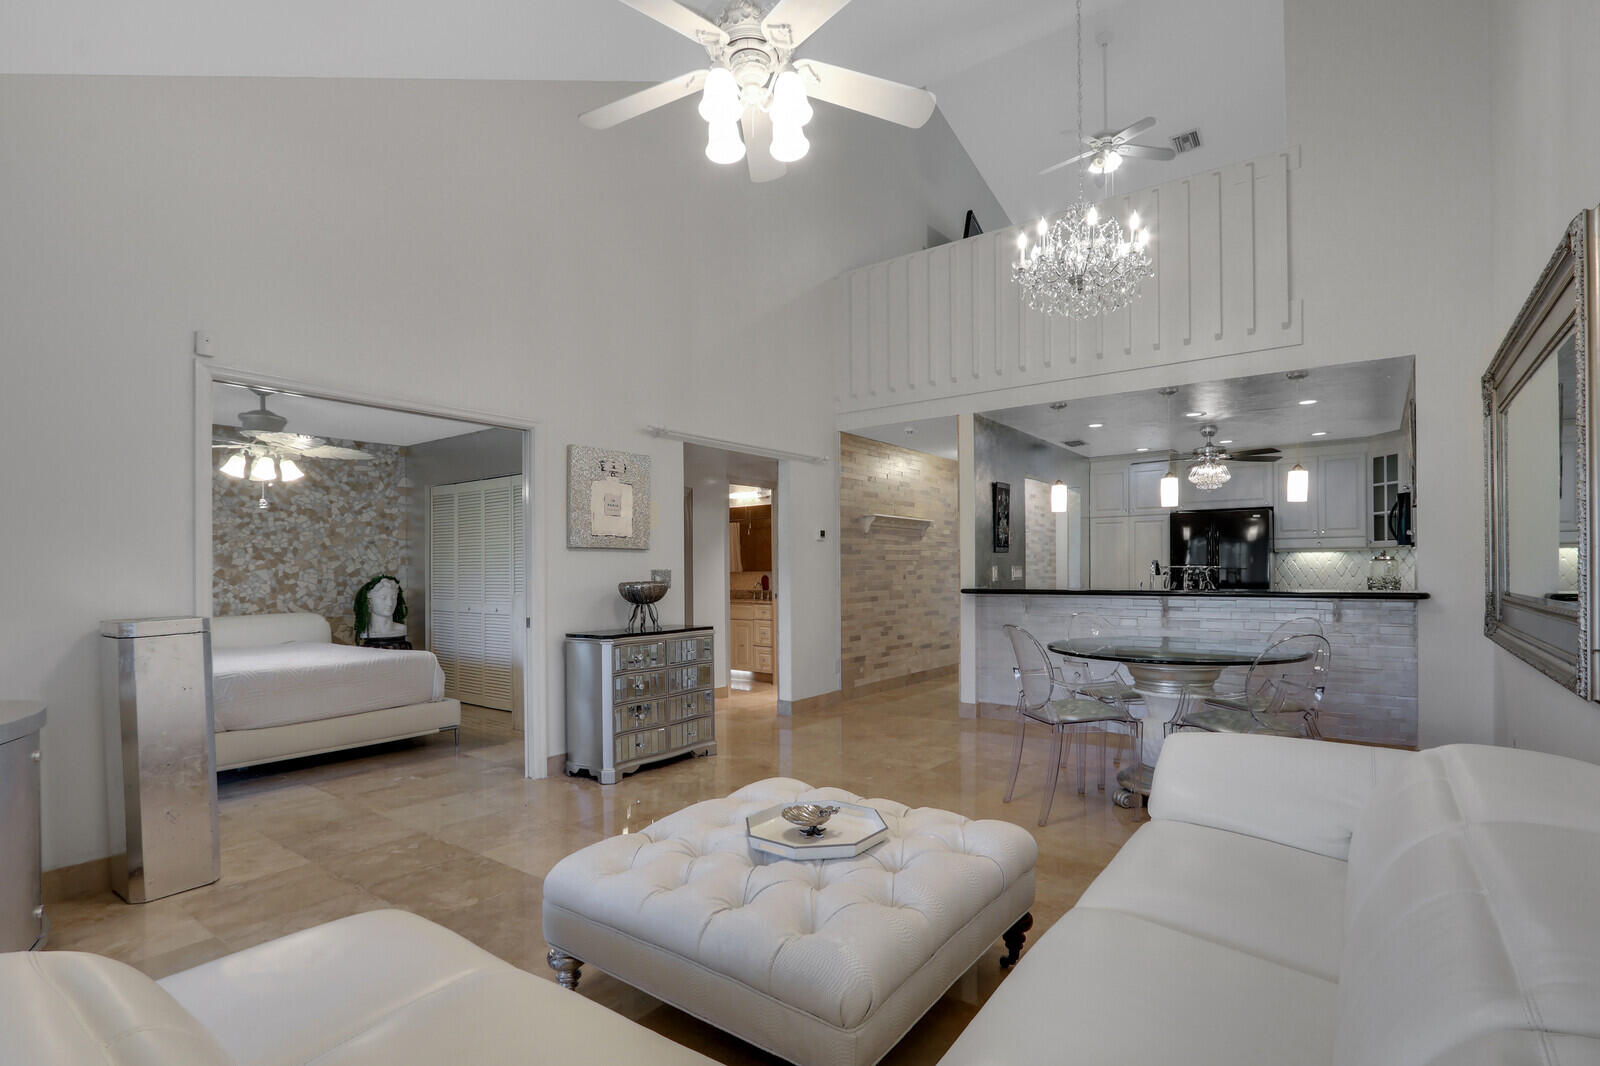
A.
pixel 1208 464
pixel 756 85
pixel 263 452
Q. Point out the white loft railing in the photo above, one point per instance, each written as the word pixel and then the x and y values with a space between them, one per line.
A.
pixel 949 321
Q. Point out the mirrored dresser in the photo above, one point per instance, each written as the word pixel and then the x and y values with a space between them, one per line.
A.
pixel 638 698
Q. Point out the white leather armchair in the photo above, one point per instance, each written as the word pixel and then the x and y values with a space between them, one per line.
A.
pixel 384 987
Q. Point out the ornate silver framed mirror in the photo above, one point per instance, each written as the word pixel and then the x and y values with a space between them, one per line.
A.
pixel 1539 600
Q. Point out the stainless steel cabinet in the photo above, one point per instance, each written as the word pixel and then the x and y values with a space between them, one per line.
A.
pixel 637 698
pixel 21 904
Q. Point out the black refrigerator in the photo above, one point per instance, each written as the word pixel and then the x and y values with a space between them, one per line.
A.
pixel 1236 541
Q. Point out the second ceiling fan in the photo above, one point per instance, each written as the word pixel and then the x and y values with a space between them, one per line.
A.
pixel 756 86
pixel 1105 150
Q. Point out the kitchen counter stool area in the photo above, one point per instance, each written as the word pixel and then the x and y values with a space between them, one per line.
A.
pixel 1372 688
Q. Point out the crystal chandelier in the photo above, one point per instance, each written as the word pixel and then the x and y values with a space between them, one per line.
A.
pixel 1208 474
pixel 1083 265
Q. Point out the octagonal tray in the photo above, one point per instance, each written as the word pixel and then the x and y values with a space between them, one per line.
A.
pixel 853 831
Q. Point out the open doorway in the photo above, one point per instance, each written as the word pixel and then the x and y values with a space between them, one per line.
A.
pixel 406 534
pixel 730 553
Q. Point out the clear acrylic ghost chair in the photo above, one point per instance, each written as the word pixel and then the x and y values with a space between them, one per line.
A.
pixel 1283 692
pixel 1234 685
pixel 1093 678
pixel 1043 696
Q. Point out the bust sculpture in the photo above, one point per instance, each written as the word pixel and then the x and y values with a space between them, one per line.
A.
pixel 380 609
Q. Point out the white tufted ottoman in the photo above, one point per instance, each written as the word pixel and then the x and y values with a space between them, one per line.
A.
pixel 818 962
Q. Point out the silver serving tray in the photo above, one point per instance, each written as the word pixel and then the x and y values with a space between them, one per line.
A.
pixel 854 830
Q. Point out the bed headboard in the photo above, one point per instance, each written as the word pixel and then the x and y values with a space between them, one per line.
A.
pixel 255 630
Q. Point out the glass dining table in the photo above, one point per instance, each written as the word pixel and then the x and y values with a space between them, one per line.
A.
pixel 1165 670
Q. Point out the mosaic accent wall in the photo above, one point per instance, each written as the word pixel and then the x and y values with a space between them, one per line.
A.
pixel 899 587
pixel 1345 571
pixel 319 542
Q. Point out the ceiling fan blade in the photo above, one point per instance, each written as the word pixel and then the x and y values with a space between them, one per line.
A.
pixel 877 97
pixel 1135 129
pixel 1066 163
pixel 1251 458
pixel 1266 453
pixel 758 146
pixel 333 451
pixel 603 118
pixel 675 16
pixel 792 21
pixel 1145 151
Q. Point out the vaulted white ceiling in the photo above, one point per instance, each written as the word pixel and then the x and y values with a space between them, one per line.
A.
pixel 1002 69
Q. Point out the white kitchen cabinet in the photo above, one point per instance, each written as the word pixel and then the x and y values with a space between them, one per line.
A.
pixel 1109 557
pixel 1108 490
pixel 1149 542
pixel 1144 486
pixel 1337 505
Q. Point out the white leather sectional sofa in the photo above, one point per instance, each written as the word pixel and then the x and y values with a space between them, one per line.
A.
pixel 1294 902
pixel 384 988
pixel 1291 903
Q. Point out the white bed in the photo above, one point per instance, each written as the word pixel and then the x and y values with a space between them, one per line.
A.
pixel 282 689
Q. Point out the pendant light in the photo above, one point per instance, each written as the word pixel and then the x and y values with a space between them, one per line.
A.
pixel 1058 498
pixel 1169 480
pixel 1298 488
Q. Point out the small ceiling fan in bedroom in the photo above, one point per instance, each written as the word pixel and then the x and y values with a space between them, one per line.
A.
pixel 757 84
pixel 263 452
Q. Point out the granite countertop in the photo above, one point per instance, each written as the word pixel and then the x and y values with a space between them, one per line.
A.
pixel 620 633
pixel 1299 594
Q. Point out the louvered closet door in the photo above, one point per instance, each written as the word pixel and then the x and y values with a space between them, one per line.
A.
pixel 475 579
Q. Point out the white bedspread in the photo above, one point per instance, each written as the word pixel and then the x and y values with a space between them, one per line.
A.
pixel 281 684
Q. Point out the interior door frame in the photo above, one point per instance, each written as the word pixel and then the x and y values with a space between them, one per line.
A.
pixel 535 704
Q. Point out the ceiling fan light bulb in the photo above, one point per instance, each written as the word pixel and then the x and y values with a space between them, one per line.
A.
pixel 235 466
pixel 1092 216
pixel 789 104
pixel 1133 222
pixel 263 469
pixel 719 100
pixel 723 145
pixel 1141 239
pixel 289 470
pixel 789 144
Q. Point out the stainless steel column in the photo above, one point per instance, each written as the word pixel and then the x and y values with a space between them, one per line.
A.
pixel 161 755
pixel 21 904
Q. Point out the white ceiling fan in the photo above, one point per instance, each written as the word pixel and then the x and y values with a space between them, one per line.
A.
pixel 1107 148
pixel 263 452
pixel 756 82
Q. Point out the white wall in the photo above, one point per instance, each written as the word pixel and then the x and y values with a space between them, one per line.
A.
pixel 1545 126
pixel 705 471
pixel 466 244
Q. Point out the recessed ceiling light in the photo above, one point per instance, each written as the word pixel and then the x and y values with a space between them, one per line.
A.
pixel 1141 449
pixel 1224 442
pixel 1320 433
pixel 1059 405
pixel 1307 403
pixel 1097 425
pixel 1194 414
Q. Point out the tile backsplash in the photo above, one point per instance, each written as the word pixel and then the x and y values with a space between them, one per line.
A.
pixel 1342 570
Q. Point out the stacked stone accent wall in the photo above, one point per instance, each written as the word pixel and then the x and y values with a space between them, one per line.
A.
pixel 319 542
pixel 899 587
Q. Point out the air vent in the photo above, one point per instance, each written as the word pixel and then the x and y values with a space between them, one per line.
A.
pixel 1186 142
pixel 1074 443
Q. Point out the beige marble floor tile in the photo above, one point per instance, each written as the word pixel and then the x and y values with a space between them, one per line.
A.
pixel 452 885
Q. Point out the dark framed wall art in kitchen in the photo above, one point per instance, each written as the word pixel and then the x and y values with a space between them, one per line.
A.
pixel 1001 493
